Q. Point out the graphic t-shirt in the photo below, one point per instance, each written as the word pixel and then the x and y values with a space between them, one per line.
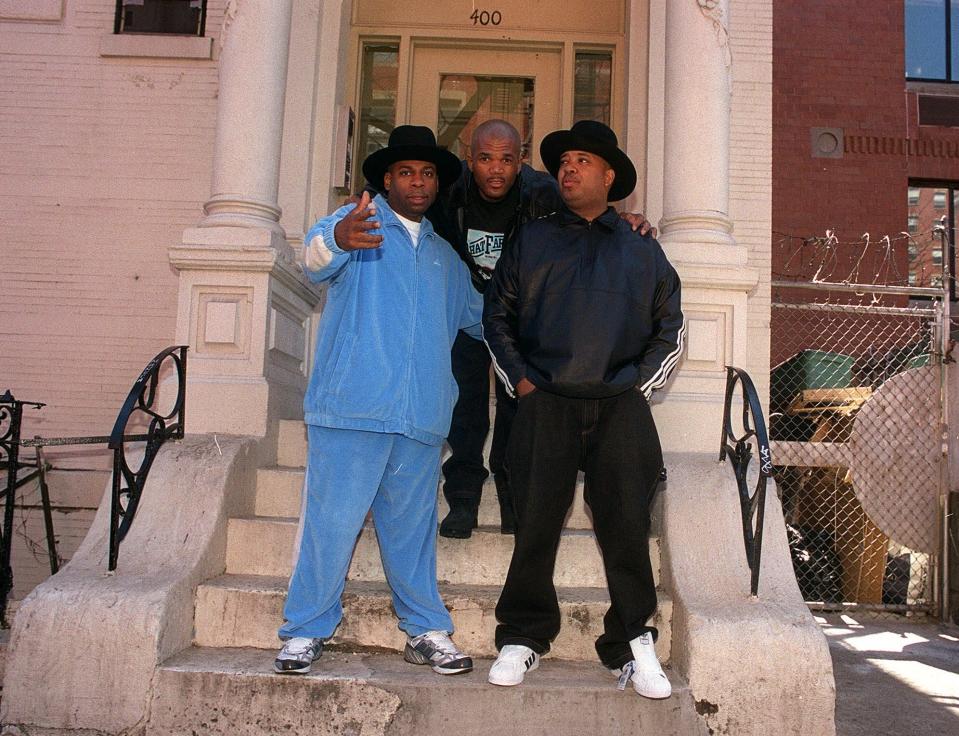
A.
pixel 485 224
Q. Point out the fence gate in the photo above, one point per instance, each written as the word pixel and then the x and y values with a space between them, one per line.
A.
pixel 857 400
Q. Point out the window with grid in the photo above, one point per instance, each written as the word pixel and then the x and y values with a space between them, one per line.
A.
pixel 175 17
pixel 930 204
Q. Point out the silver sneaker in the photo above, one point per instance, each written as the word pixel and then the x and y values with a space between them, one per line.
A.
pixel 297 656
pixel 436 649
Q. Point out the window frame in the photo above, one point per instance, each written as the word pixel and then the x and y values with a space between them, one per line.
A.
pixel 947 77
pixel 952 188
pixel 118 24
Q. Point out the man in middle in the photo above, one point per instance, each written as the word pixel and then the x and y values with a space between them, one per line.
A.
pixel 495 194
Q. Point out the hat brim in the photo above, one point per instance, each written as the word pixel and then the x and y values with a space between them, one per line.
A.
pixel 559 142
pixel 448 167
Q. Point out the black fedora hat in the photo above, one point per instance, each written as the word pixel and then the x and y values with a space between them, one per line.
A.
pixel 411 143
pixel 593 137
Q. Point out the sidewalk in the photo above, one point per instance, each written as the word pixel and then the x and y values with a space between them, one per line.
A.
pixel 894 677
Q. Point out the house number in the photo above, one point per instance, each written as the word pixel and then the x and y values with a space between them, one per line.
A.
pixel 486 18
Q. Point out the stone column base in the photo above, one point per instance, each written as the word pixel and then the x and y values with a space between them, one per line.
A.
pixel 716 288
pixel 245 311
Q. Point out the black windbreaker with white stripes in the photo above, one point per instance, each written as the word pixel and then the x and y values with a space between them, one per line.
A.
pixel 584 309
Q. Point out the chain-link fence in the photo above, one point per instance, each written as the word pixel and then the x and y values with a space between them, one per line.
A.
pixel 856 417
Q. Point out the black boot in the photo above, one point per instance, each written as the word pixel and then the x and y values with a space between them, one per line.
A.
pixel 506 513
pixel 461 520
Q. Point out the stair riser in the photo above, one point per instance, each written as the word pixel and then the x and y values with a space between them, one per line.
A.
pixel 278 493
pixel 356 697
pixel 228 617
pixel 265 547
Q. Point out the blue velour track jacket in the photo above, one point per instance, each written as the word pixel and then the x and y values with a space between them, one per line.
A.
pixel 382 360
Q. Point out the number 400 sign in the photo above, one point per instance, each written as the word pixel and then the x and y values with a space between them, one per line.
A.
pixel 486 18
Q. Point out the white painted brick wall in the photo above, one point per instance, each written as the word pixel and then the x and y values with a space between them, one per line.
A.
pixel 751 39
pixel 103 163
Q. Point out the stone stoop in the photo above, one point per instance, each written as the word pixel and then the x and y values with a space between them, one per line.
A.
pixel 234 692
pixel 209 688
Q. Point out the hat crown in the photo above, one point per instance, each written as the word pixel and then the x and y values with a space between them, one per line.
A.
pixel 594 137
pixel 411 135
pixel 597 131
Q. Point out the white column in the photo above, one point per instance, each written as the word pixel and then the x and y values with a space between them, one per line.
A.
pixel 696 226
pixel 697 111
pixel 255 43
pixel 244 308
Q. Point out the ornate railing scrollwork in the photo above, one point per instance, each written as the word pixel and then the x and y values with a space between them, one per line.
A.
pixel 128 481
pixel 141 406
pixel 752 502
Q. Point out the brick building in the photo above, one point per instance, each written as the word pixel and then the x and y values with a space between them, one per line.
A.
pixel 865 140
pixel 865 118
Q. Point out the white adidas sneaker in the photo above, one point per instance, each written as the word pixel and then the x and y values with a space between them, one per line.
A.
pixel 512 664
pixel 644 671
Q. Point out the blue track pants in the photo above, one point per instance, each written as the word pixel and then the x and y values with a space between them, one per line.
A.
pixel 350 472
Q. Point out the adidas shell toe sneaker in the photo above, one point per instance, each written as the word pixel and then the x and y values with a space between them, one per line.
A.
pixel 645 672
pixel 436 649
pixel 512 664
pixel 297 655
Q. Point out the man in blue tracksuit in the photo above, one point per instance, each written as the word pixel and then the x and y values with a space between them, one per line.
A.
pixel 379 402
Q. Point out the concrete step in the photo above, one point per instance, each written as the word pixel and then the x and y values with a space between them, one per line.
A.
pixel 291 443
pixel 233 692
pixel 264 546
pixel 246 610
pixel 278 493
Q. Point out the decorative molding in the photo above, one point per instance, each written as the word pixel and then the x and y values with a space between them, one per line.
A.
pixel 878 145
pixel 710 339
pixel 222 324
pixel 221 207
pixel 287 338
pixel 712 11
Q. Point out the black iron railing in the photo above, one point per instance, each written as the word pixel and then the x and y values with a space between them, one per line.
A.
pixel 739 450
pixel 11 415
pixel 141 407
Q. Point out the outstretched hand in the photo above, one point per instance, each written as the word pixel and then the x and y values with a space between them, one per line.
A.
pixel 353 231
pixel 639 222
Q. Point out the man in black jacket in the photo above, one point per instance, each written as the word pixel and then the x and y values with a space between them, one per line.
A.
pixel 583 319
pixel 484 209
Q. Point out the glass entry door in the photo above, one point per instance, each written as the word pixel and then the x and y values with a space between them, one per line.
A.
pixel 454 89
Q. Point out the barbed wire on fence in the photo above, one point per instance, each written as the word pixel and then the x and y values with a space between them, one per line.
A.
pixel 906 259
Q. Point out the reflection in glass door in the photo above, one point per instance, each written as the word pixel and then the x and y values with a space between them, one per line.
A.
pixel 466 100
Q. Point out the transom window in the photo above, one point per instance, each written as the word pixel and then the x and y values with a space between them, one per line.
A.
pixel 932 40
pixel 176 17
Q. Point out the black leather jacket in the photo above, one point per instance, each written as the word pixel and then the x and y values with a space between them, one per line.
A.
pixel 538 196
pixel 584 309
